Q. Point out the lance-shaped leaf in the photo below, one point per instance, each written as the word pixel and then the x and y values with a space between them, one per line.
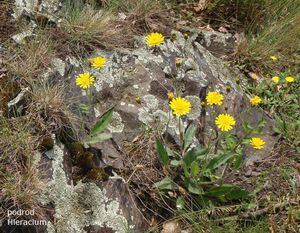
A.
pixel 98 138
pixel 227 191
pixel 162 153
pixel 189 135
pixel 165 184
pixel 102 123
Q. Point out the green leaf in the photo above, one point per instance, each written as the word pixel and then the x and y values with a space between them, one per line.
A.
pixel 238 160
pixel 219 160
pixel 165 184
pixel 98 138
pixel 102 123
pixel 175 162
pixel 227 191
pixel 162 153
pixel 193 186
pixel 193 155
pixel 83 108
pixel 195 169
pixel 261 124
pixel 180 203
pixel 230 142
pixel 189 135
pixel 247 127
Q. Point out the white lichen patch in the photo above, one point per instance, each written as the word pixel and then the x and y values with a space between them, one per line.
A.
pixel 20 37
pixel 145 116
pixel 59 66
pixel 210 37
pixel 116 125
pixel 196 109
pixel 24 5
pixel 150 102
pixel 78 206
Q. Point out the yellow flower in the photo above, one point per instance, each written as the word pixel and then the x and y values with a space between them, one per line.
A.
pixel 214 97
pixel 170 96
pixel 257 143
pixel 98 62
pixel 254 76
pixel 154 39
pixel 255 100
pixel 274 58
pixel 178 61
pixel 289 79
pixel 186 35
pixel 225 122
pixel 138 99
pixel 180 106
pixel 85 80
pixel 275 79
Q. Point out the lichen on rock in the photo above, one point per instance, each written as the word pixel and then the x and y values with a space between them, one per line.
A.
pixel 78 206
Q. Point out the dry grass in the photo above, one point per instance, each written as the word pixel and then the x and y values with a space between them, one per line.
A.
pixel 30 59
pixel 8 89
pixel 146 15
pixel 114 25
pixel 7 26
pixel 49 108
pixel 89 27
pixel 20 181
pixel 143 169
pixel 279 35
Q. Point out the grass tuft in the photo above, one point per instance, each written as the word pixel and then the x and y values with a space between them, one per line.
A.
pixel 31 58
pixel 20 181
pixel 87 26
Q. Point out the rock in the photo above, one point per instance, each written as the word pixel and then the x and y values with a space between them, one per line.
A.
pixel 171 227
pixel 37 10
pixel 108 207
pixel 150 75
pixel 219 44
pixel 147 75
pixel 16 106
pixel 20 37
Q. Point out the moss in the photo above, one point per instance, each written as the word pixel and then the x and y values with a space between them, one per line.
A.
pixel 47 143
pixel 86 161
pixel 97 173
pixel 76 150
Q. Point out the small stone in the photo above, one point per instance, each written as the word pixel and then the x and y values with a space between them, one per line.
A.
pixel 248 173
pixel 171 227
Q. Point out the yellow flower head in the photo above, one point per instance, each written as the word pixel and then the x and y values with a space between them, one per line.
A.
pixel 97 62
pixel 186 35
pixel 138 99
pixel 275 79
pixel 178 61
pixel 214 97
pixel 170 96
pixel 85 80
pixel 180 106
pixel 255 100
pixel 254 76
pixel 225 122
pixel 154 39
pixel 257 143
pixel 274 58
pixel 289 79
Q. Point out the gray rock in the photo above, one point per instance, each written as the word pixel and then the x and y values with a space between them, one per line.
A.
pixel 36 9
pixel 219 44
pixel 78 207
pixel 151 75
pixel 16 105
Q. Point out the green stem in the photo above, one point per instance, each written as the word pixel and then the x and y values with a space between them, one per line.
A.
pixel 180 133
